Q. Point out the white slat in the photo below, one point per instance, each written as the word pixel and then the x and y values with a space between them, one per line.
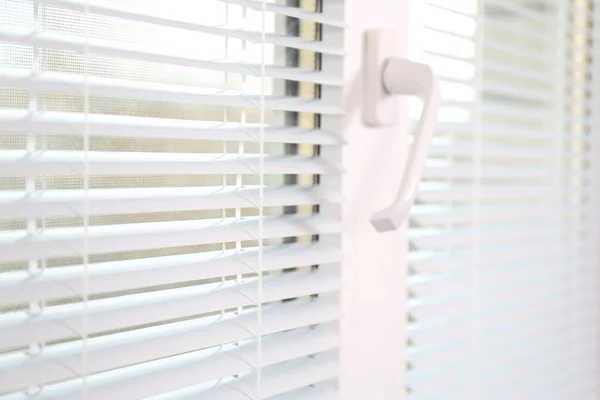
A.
pixel 141 15
pixel 503 131
pixel 465 290
pixel 290 12
pixel 30 37
pixel 447 55
pixel 465 170
pixel 451 33
pixel 519 52
pixel 454 8
pixel 67 282
pixel 64 322
pixel 499 87
pixel 50 162
pixel 515 152
pixel 294 375
pixel 153 91
pixel 65 203
pixel 522 10
pixel 501 27
pixel 317 392
pixel 527 352
pixel 505 111
pixel 505 328
pixel 491 275
pixel 492 302
pixel 495 366
pixel 275 380
pixel 451 261
pixel 434 215
pixel 537 76
pixel 65 242
pixel 53 122
pixel 190 369
pixel 143 345
pixel 439 239
pixel 513 311
pixel 456 192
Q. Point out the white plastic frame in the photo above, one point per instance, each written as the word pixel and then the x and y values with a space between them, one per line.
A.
pixel 373 267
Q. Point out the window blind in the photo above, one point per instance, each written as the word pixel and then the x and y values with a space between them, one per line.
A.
pixel 502 269
pixel 168 225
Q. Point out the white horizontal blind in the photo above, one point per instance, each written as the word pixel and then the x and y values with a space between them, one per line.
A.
pixel 502 285
pixel 168 228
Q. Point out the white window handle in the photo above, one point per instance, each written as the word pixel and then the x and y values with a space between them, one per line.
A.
pixel 387 76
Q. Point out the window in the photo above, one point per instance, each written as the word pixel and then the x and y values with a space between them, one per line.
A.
pixel 186 188
pixel 160 195
pixel 501 263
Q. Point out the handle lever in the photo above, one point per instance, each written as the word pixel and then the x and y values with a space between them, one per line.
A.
pixel 386 77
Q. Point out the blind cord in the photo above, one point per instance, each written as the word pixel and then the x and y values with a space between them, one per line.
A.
pixel 30 187
pixel 261 198
pixel 86 204
pixel 476 216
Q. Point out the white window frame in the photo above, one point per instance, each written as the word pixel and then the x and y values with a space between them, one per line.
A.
pixel 374 264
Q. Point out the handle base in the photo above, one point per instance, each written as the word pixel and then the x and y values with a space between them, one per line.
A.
pixel 380 108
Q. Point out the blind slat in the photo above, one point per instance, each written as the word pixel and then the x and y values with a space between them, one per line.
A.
pixel 501 27
pixel 514 310
pixel 493 325
pixel 160 306
pixel 465 170
pixel 451 8
pixel 144 345
pixel 491 302
pixel 317 392
pixel 186 370
pixel 454 261
pixel 294 12
pixel 73 163
pixel 66 242
pixel 499 87
pixel 492 274
pixel 141 15
pixel 498 130
pixel 70 203
pixel 456 192
pixel 518 52
pixel 515 9
pixel 117 126
pixel 507 110
pixel 31 37
pixel 496 334
pixel 532 77
pixel 105 277
pixel 431 238
pixel 444 148
pixel 458 216
pixel 501 363
pixel 153 91
pixel 275 380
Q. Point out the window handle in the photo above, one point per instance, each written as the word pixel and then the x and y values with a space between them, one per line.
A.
pixel 386 77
